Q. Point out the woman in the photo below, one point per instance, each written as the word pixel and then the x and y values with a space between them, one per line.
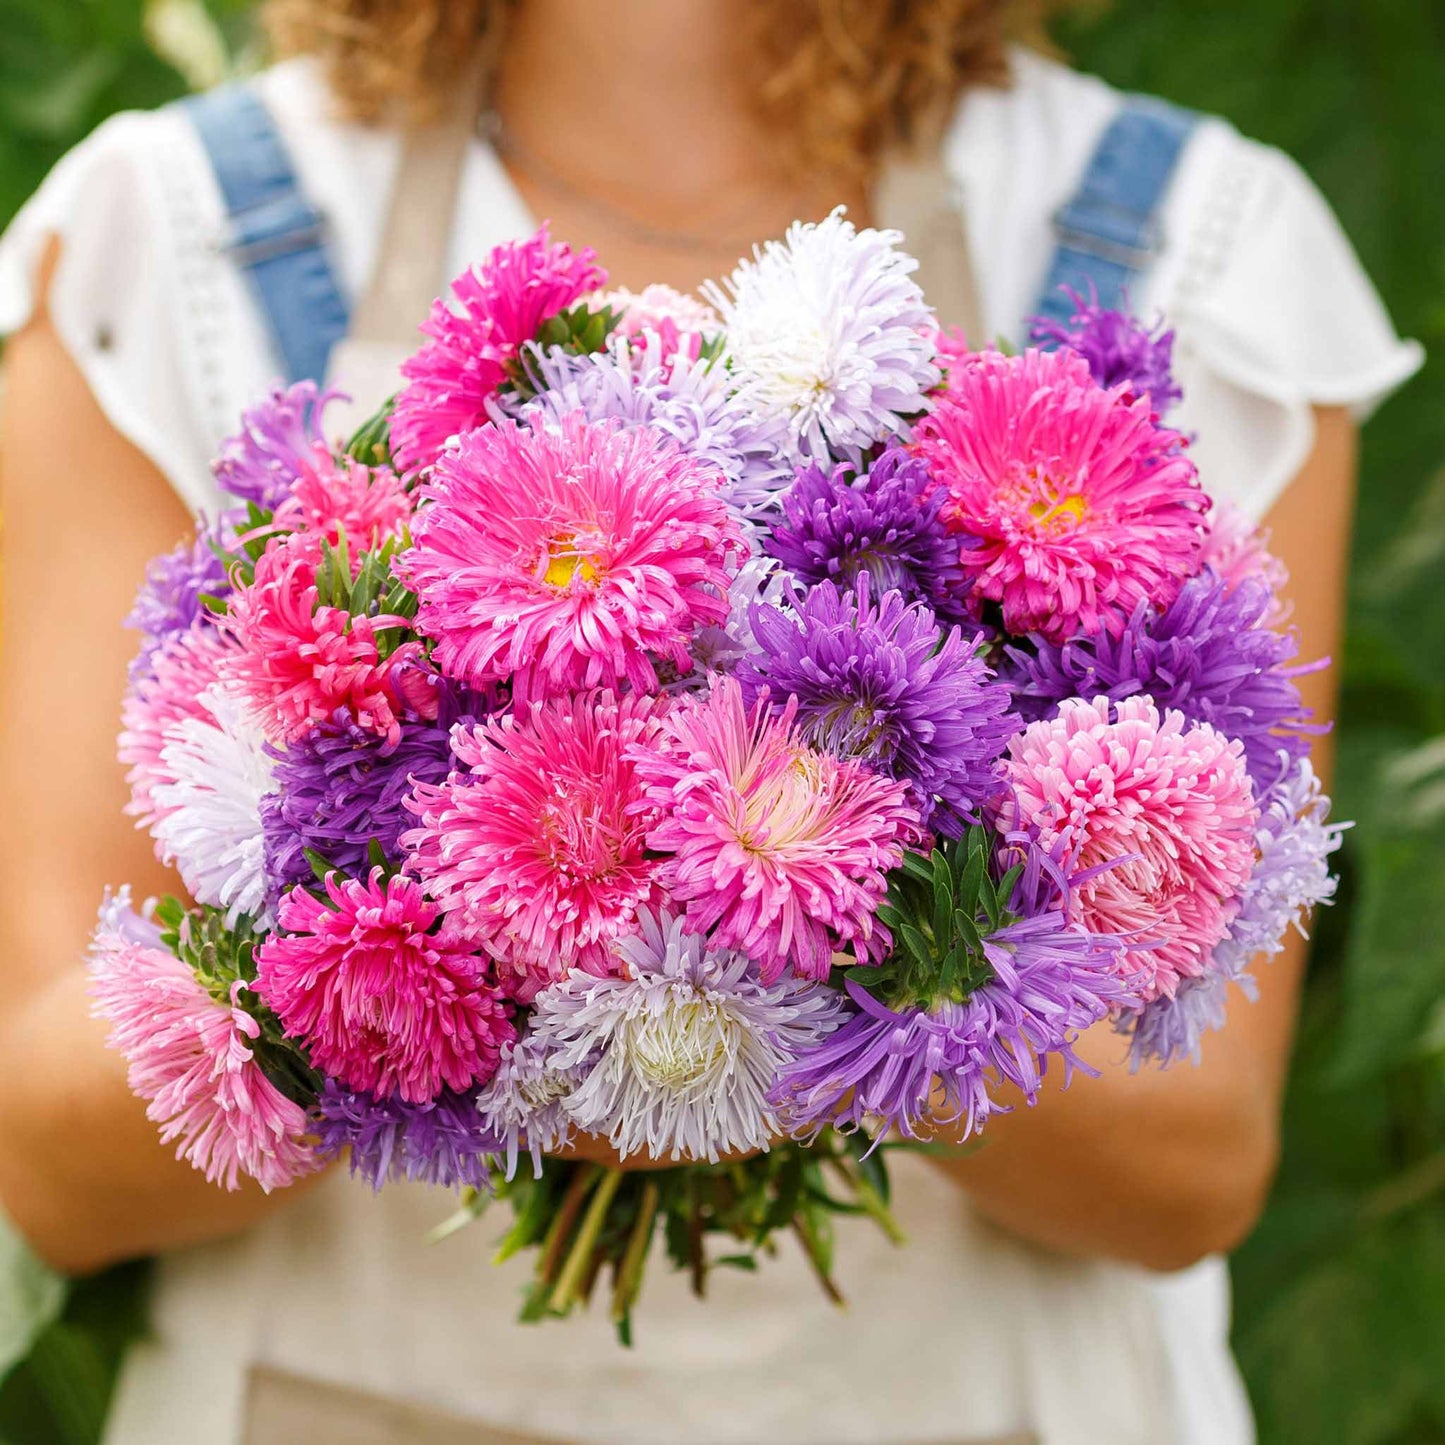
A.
pixel 1059 1285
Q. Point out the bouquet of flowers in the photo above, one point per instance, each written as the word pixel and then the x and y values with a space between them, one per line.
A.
pixel 753 730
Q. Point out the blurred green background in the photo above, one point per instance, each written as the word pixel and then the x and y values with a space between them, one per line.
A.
pixel 1340 1294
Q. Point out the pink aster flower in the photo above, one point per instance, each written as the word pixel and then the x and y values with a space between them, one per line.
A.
pixel 1168 804
pixel 499 305
pixel 181 670
pixel 382 1000
pixel 772 847
pixel 1237 550
pixel 330 497
pixel 191 1057
pixel 538 851
pixel 568 558
pixel 680 321
pixel 299 662
pixel 1082 504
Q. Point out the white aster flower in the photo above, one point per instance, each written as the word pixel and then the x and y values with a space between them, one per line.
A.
pixel 211 823
pixel 679 1056
pixel 828 331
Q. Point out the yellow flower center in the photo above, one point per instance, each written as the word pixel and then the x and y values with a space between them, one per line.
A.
pixel 565 561
pixel 1053 515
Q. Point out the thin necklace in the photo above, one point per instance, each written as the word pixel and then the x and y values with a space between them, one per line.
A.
pixel 492 130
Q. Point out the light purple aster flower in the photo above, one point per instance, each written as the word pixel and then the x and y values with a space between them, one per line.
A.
pixel 715 650
pixel 119 917
pixel 262 460
pixel 169 600
pixel 882 682
pixel 1291 877
pixel 441 1142
pixel 684 1050
pixel 342 785
pixel 1118 348
pixel 886 524
pixel 637 381
pixel 525 1102
pixel 1206 655
pixel 828 333
pixel 927 1062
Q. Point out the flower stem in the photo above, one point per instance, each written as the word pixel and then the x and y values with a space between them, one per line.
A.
pixel 629 1273
pixel 560 1230
pixel 564 1292
pixel 871 1201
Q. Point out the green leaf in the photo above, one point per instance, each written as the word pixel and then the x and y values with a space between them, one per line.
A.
pixel 31 1297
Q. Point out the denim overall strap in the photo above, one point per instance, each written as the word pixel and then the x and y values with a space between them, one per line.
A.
pixel 274 234
pixel 1108 232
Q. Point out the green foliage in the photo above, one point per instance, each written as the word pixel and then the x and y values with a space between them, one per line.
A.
pixel 577 330
pixel 1340 1295
pixel 370 443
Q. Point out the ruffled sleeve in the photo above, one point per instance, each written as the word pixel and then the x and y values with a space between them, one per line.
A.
pixel 142 296
pixel 1274 315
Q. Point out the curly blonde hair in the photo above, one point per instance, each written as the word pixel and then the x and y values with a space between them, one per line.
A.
pixel 842 79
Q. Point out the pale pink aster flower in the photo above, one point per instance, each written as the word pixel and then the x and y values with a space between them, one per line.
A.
pixel 538 851
pixel 182 668
pixel 1081 503
pixel 299 662
pixel 191 1057
pixel 1235 549
pixel 568 558
pixel 1108 782
pixel 680 321
pixel 383 1000
pixel 499 306
pixel 772 847
pixel 332 498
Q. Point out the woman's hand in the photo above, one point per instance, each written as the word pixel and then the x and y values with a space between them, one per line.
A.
pixel 1165 1166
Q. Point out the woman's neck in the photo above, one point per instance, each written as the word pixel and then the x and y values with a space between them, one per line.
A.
pixel 648 106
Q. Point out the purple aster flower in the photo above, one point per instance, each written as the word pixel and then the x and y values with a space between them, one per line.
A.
pixel 169 600
pixel 525 1102
pixel 886 524
pixel 1291 877
pixel 261 461
pixel 1118 348
pixel 118 917
pixel 678 1055
pixel 883 683
pixel 637 381
pixel 341 785
pixel 441 1142
pixel 1206 655
pixel 719 649
pixel 940 1061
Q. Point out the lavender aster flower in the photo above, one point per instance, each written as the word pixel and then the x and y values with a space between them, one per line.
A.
pixel 759 582
pixel 339 787
pixel 1291 877
pixel 524 1104
pixel 442 1142
pixel 686 1046
pixel 261 461
pixel 1206 655
pixel 910 1063
pixel 169 600
pixel 1118 348
pixel 886 524
pixel 635 380
pixel 883 683
pixel 118 916
pixel 828 332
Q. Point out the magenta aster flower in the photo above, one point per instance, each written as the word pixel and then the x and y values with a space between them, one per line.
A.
pixel 499 306
pixel 567 559
pixel 883 683
pixel 440 1142
pixel 191 1057
pixel 1208 654
pixel 299 662
pixel 382 1000
pixel 334 498
pixel 182 668
pixel 1168 804
pixel 1081 504
pixel 538 850
pixel 771 847
pixel 276 439
pixel 886 524
pixel 1119 348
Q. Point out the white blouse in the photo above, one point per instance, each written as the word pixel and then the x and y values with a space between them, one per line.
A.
pixel 966 1333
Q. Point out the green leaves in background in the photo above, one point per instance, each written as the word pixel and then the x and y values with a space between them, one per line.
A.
pixel 1340 1295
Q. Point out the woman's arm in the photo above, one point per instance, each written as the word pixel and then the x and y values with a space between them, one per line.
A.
pixel 1165 1166
pixel 82 1173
